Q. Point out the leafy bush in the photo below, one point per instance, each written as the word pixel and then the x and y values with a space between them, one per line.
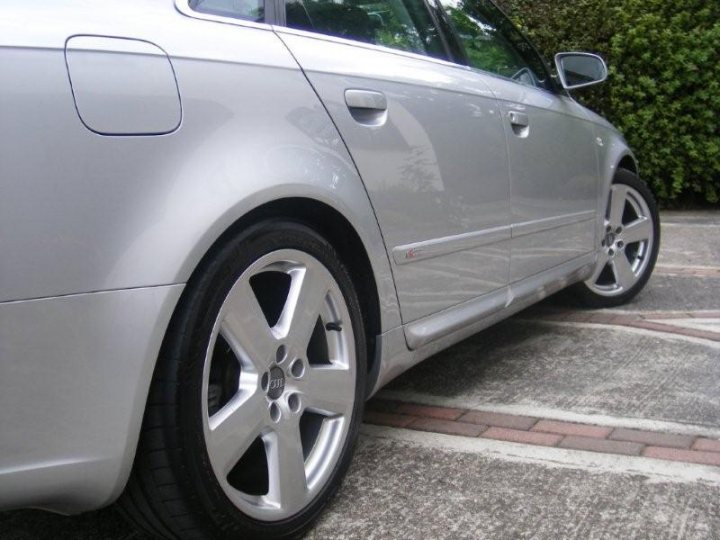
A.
pixel 664 89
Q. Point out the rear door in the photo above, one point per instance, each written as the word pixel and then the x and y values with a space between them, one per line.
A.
pixel 426 136
pixel 551 144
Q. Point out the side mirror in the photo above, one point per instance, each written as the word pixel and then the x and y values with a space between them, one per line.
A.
pixel 578 70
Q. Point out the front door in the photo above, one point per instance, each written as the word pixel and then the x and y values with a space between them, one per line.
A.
pixel 553 164
pixel 426 136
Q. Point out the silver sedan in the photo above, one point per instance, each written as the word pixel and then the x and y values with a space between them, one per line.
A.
pixel 225 223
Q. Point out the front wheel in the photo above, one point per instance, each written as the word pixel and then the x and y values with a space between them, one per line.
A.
pixel 629 245
pixel 256 402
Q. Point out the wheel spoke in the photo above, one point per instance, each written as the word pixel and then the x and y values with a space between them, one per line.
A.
pixel 234 428
pixel 639 230
pixel 308 291
pixel 624 275
pixel 618 196
pixel 601 264
pixel 245 327
pixel 286 466
pixel 328 389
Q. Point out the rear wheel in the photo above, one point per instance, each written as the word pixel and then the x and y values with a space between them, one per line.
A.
pixel 629 245
pixel 257 398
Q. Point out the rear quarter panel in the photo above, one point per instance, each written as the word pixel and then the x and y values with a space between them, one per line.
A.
pixel 84 212
pixel 81 212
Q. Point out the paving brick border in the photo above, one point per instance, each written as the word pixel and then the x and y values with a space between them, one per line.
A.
pixel 645 321
pixel 693 271
pixel 544 432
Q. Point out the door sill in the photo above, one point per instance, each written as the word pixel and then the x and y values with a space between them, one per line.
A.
pixel 510 298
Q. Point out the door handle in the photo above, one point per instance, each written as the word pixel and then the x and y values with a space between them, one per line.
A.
pixel 519 119
pixel 367 107
pixel 366 99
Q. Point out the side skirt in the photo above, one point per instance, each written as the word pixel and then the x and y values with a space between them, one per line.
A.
pixel 404 347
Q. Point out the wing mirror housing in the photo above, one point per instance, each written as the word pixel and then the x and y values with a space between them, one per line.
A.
pixel 578 70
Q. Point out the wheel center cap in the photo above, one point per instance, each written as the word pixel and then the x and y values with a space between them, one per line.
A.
pixel 276 384
pixel 609 239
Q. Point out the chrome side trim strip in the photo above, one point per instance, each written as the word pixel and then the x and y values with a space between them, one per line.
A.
pixel 546 224
pixel 473 312
pixel 437 247
pixel 183 6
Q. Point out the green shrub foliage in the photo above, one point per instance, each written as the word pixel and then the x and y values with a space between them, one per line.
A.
pixel 664 87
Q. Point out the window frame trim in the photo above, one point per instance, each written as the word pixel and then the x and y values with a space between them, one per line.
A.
pixel 554 89
pixel 270 13
pixel 280 26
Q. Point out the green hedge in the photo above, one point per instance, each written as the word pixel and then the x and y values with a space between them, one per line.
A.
pixel 664 87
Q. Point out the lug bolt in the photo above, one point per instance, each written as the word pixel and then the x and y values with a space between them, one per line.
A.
pixel 280 354
pixel 275 413
pixel 265 381
pixel 297 368
pixel 618 230
pixel 620 244
pixel 611 252
pixel 294 402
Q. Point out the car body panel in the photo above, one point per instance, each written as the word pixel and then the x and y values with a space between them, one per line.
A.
pixel 461 322
pixel 157 204
pixel 123 86
pixel 554 177
pixel 99 233
pixel 437 152
pixel 74 378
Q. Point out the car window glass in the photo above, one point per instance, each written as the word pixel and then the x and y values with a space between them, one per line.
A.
pixel 252 10
pixel 493 44
pixel 400 24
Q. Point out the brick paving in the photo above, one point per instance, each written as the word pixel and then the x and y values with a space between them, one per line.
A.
pixel 694 271
pixel 544 432
pixel 645 321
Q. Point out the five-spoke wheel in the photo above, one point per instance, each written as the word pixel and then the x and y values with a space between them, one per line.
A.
pixel 256 401
pixel 278 384
pixel 628 244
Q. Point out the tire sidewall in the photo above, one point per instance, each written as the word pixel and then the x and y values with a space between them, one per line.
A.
pixel 590 298
pixel 201 304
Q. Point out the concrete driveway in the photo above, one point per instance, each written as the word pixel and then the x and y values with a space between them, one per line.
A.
pixel 558 423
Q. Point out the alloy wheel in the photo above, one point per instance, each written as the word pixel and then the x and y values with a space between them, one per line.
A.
pixel 278 386
pixel 626 244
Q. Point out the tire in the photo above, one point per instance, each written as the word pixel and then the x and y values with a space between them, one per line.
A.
pixel 629 247
pixel 250 438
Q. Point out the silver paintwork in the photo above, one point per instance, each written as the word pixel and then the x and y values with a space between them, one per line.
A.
pixel 553 177
pixel 98 233
pixel 74 376
pixel 123 86
pixel 437 153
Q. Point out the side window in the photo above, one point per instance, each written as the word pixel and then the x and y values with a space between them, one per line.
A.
pixel 493 44
pixel 252 10
pixel 400 24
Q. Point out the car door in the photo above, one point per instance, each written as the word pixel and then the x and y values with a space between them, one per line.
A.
pixel 427 138
pixel 551 144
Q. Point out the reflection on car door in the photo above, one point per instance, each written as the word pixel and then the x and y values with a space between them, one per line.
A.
pixel 553 168
pixel 428 140
pixel 553 165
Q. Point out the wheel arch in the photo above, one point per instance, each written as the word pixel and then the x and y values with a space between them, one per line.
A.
pixel 629 163
pixel 342 235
